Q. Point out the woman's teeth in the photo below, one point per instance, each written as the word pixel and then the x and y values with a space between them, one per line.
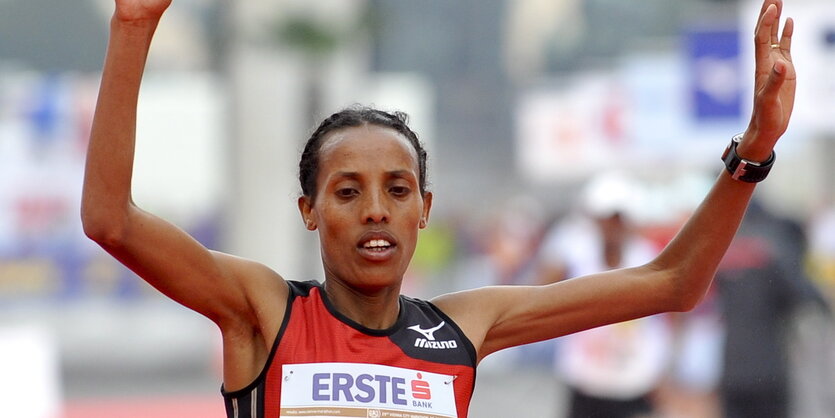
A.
pixel 377 243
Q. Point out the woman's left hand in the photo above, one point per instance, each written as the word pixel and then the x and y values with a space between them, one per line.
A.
pixel 774 83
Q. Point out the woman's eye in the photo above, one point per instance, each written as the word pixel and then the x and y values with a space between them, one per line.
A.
pixel 399 190
pixel 347 192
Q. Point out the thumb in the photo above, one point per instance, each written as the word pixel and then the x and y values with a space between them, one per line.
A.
pixel 776 78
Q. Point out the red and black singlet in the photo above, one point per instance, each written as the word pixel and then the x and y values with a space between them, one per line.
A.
pixel 325 365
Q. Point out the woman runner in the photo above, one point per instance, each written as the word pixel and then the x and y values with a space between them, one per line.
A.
pixel 353 346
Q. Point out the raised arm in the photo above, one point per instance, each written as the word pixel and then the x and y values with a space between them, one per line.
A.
pixel 697 250
pixel 499 317
pixel 239 295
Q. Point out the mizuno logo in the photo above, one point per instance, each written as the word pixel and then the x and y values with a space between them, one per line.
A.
pixel 428 333
pixel 440 345
pixel 429 340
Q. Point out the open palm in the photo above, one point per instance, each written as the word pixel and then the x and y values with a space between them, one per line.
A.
pixel 775 78
pixel 137 10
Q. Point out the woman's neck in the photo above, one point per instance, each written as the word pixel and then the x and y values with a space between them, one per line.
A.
pixel 377 309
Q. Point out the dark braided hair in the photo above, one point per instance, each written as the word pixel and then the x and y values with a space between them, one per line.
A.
pixel 351 117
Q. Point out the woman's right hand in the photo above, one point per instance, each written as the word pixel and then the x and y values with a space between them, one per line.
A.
pixel 135 11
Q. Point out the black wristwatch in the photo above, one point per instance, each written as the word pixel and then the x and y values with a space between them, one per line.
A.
pixel 742 169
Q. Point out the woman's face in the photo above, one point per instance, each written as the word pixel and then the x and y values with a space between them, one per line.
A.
pixel 368 207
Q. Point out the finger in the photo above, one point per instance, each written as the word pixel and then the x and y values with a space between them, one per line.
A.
pixel 763 8
pixel 786 39
pixel 766 23
pixel 775 27
pixel 762 37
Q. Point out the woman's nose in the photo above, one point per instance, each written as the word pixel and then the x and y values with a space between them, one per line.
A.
pixel 376 209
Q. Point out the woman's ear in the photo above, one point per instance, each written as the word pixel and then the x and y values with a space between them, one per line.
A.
pixel 427 206
pixel 306 210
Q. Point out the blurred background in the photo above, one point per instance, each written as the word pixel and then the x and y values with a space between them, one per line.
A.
pixel 542 118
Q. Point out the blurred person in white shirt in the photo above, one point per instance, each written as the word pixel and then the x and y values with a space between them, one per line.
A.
pixel 610 371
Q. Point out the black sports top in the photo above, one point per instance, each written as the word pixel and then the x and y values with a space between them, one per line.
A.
pixel 325 365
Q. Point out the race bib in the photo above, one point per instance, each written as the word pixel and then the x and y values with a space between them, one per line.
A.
pixel 324 390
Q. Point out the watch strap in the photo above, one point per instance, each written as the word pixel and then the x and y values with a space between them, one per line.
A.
pixel 742 169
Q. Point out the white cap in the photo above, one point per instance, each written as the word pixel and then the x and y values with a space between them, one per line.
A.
pixel 609 193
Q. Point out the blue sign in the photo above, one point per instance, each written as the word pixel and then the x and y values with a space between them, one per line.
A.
pixel 716 74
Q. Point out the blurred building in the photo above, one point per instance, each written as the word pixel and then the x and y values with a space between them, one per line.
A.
pixel 458 48
pixel 67 310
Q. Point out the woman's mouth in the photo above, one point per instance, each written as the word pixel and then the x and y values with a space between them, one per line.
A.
pixel 377 248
